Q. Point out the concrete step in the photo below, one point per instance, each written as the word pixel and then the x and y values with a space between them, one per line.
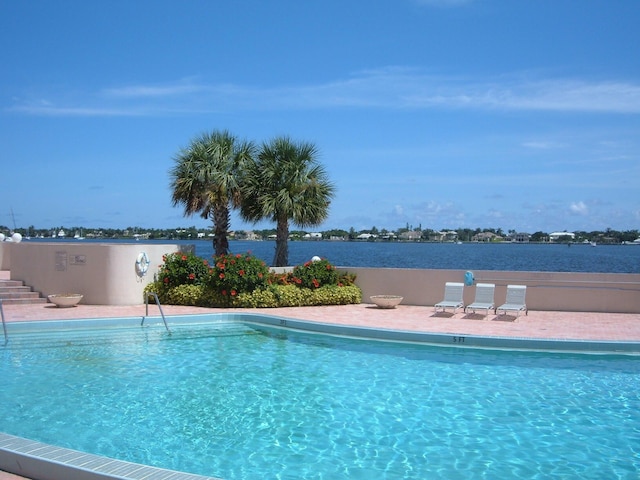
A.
pixel 24 301
pixel 15 292
pixel 15 289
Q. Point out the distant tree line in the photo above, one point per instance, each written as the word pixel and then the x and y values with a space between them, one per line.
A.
pixel 419 234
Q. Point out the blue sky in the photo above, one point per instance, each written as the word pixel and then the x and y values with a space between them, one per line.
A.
pixel 444 114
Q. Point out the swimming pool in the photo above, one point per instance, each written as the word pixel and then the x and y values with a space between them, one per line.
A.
pixel 242 400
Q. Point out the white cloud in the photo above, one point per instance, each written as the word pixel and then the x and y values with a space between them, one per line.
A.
pixel 572 95
pixel 385 88
pixel 141 91
pixel 84 111
pixel 542 145
pixel 578 208
pixel 443 3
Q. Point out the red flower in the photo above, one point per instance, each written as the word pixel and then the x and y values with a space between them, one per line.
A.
pixel 221 275
pixel 224 293
pixel 241 272
pixel 192 276
pixel 184 257
pixel 316 283
pixel 238 255
pixel 233 293
pixel 166 279
pixel 260 275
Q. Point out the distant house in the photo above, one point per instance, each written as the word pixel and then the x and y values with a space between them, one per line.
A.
pixel 444 236
pixel 411 235
pixel 251 235
pixel 366 236
pixel 313 236
pixel 521 238
pixel 449 236
pixel 555 236
pixel 486 237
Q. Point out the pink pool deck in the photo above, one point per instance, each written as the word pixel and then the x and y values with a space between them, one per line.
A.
pixel 537 324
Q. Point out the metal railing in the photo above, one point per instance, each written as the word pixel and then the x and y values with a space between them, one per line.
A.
pixel 146 301
pixel 4 324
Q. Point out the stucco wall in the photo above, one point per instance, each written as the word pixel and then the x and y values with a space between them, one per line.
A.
pixel 5 255
pixel 552 291
pixel 104 273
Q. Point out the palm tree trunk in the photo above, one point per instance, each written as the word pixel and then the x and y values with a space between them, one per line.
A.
pixel 281 258
pixel 221 221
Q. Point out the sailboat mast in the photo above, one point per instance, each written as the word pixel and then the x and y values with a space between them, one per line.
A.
pixel 13 217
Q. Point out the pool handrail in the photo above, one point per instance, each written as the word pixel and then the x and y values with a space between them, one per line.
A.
pixel 146 301
pixel 4 324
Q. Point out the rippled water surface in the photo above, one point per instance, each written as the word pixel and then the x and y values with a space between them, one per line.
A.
pixel 235 402
pixel 465 256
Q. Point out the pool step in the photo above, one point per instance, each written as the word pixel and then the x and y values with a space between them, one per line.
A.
pixel 71 335
pixel 15 292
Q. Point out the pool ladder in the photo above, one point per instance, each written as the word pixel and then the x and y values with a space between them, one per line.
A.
pixel 146 301
pixel 4 324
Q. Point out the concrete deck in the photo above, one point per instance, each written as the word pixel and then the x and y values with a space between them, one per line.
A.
pixel 537 324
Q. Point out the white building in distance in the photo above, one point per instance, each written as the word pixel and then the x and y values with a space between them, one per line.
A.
pixel 553 237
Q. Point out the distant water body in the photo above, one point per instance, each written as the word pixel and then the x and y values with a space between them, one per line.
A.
pixel 449 256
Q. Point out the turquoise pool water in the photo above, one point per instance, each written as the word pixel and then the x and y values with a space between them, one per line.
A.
pixel 244 402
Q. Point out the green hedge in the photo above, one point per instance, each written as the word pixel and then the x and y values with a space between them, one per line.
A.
pixel 270 297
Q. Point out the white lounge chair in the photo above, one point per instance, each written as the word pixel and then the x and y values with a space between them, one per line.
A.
pixel 452 297
pixel 515 301
pixel 484 298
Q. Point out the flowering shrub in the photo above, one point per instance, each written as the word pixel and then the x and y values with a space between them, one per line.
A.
pixel 235 274
pixel 182 269
pixel 245 281
pixel 285 278
pixel 344 279
pixel 315 274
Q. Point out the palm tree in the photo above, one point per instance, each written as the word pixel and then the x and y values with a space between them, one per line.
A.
pixel 285 182
pixel 204 180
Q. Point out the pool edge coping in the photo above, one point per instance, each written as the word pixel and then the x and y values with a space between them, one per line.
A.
pixel 41 461
pixel 442 339
pixel 455 339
